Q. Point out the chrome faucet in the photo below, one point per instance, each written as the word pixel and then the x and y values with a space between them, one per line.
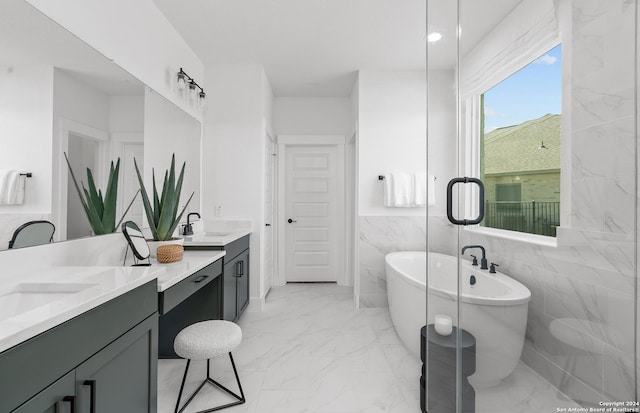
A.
pixel 188 228
pixel 483 260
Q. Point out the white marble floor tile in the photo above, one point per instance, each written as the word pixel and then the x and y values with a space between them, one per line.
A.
pixel 310 351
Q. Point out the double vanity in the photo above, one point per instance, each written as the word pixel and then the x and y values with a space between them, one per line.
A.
pixel 90 336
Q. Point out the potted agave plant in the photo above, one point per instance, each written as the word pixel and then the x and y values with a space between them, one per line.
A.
pixel 100 210
pixel 162 211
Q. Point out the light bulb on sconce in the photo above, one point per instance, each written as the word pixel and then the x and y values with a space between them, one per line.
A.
pixel 202 99
pixel 182 80
pixel 194 96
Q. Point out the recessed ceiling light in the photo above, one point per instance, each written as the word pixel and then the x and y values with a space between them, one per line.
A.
pixel 434 37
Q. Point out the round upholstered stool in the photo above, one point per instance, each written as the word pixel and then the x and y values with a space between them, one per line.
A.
pixel 203 341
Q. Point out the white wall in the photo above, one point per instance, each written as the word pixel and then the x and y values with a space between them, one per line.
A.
pixel 268 105
pixel 126 114
pixel 442 135
pixel 26 118
pixel 233 153
pixel 88 108
pixel 312 116
pixel 352 188
pixel 392 133
pixel 168 130
pixel 267 252
pixel 153 52
pixel 80 102
pixel 391 137
pixel 354 101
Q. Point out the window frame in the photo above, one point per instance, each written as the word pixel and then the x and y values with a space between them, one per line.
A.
pixel 471 106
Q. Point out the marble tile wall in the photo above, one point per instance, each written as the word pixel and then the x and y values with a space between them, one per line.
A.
pixel 581 326
pixel 380 235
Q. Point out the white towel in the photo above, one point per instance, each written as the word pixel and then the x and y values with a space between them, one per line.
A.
pixel 419 189
pixel 11 187
pixel 20 182
pixel 398 190
pixel 4 187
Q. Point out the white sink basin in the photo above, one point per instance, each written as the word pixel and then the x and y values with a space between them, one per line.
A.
pixel 217 234
pixel 28 296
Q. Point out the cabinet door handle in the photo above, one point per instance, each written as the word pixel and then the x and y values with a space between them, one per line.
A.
pixel 92 387
pixel 238 269
pixel 465 180
pixel 200 278
pixel 72 402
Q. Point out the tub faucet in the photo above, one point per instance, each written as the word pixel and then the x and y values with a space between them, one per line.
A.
pixel 483 260
pixel 188 229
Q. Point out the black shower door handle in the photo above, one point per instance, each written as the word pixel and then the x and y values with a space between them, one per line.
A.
pixel 465 180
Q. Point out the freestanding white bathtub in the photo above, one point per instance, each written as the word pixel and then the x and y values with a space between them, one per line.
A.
pixel 494 309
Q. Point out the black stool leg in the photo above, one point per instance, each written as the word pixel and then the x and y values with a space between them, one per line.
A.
pixel 237 377
pixel 184 379
pixel 240 398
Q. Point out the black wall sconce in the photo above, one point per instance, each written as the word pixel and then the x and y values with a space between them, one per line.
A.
pixel 185 80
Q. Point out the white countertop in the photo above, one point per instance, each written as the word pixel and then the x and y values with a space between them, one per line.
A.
pixel 34 301
pixel 191 262
pixel 214 238
pixel 38 300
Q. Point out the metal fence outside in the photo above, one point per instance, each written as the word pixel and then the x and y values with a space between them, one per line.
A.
pixel 532 217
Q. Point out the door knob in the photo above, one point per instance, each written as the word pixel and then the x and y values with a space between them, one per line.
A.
pixel 290 221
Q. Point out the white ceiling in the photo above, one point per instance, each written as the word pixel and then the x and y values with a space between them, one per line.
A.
pixel 307 47
pixel 315 47
pixel 27 37
pixel 477 19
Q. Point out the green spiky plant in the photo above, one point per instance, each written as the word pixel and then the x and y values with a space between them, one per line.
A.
pixel 100 211
pixel 163 217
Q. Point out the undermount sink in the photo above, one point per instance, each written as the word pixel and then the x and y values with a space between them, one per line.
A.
pixel 217 234
pixel 28 296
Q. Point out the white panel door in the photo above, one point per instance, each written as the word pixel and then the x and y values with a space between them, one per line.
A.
pixel 311 205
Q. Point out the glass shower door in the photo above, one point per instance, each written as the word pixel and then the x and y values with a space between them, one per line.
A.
pixel 537 100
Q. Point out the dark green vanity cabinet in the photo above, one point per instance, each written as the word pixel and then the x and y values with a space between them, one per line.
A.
pixel 236 286
pixel 106 357
pixel 235 276
pixel 196 298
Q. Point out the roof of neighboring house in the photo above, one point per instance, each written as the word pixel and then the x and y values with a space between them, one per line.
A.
pixel 516 148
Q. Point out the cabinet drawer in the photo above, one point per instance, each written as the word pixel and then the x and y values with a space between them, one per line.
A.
pixel 234 248
pixel 179 292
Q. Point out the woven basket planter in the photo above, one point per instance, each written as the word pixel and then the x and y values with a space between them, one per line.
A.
pixel 169 253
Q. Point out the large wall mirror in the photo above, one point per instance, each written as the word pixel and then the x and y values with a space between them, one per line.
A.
pixel 58 95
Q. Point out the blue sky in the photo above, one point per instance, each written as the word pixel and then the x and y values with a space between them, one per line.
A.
pixel 530 93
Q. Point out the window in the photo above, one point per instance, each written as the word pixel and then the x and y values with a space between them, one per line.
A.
pixel 508 196
pixel 520 148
